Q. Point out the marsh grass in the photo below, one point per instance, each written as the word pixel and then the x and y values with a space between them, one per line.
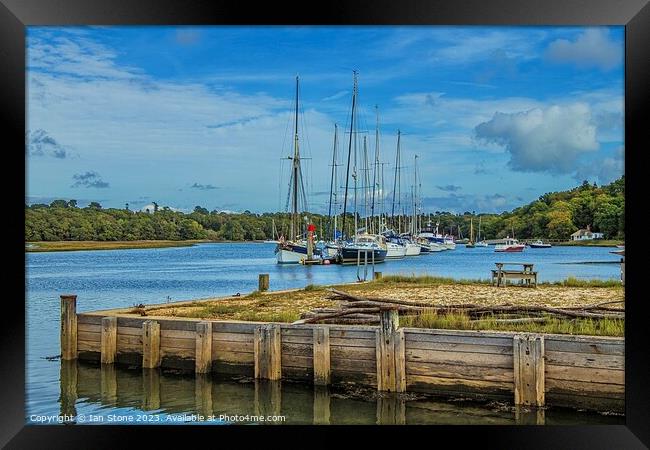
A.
pixel 66 246
pixel 428 280
pixel 575 282
pixel 553 325
pixel 314 287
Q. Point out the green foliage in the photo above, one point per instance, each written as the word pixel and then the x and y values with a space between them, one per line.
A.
pixel 553 216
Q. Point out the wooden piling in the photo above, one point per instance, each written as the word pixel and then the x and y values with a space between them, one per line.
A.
pixel 109 340
pixel 263 282
pixel 150 389
pixel 267 352
pixel 150 344
pixel 68 385
pixel 528 353
pixel 68 327
pixel 377 275
pixel 390 352
pixel 322 372
pixel 203 356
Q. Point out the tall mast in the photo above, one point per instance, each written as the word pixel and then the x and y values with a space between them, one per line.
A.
pixel 347 174
pixel 397 180
pixel 332 183
pixel 374 173
pixel 415 197
pixel 296 172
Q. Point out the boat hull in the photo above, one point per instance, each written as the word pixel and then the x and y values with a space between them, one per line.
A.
pixel 412 249
pixel 350 256
pixel 540 245
pixel 292 253
pixel 395 251
pixel 510 249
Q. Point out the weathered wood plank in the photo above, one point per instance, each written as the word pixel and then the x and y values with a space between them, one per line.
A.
pixel 108 340
pixel 591 375
pixel 529 369
pixel 179 334
pixel 400 361
pixel 352 334
pixel 583 388
pixel 151 354
pixel 455 338
pixel 88 336
pixel 353 353
pixel 234 357
pixel 354 365
pixel 234 327
pixel 129 344
pixel 203 350
pixel 68 334
pixel 88 319
pixel 297 349
pixel 459 347
pixel 297 361
pixel 128 331
pixel 229 346
pixel 585 360
pixel 232 337
pixel 88 346
pixel 346 342
pixel 321 358
pixel 472 359
pixel 454 370
pixel 597 347
pixel 90 328
pixel 167 342
pixel 461 382
pixel 185 353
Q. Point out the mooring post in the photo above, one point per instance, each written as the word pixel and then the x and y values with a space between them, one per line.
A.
pixel 267 352
pixel 109 340
pixel 203 356
pixel 528 353
pixel 390 352
pixel 150 389
pixel 150 344
pixel 263 282
pixel 68 327
pixel 378 275
pixel 322 373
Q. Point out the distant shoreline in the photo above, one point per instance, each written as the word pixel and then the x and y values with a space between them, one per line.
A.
pixel 68 246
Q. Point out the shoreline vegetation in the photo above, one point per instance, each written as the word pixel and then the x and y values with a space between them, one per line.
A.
pixel 291 306
pixel 64 246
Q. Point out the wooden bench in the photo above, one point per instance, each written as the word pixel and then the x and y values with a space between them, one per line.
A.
pixel 526 276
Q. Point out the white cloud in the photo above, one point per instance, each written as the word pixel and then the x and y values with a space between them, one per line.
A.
pixel 593 48
pixel 604 170
pixel 543 140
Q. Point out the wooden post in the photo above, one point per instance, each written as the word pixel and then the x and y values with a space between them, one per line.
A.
pixel 623 271
pixel 528 352
pixel 268 352
pixel 150 344
pixel 390 352
pixel 109 340
pixel 203 394
pixel 68 382
pixel 377 275
pixel 263 282
pixel 322 373
pixel 203 356
pixel 68 327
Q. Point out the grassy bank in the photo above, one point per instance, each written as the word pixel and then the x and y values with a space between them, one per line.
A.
pixel 65 246
pixel 594 243
pixel 288 307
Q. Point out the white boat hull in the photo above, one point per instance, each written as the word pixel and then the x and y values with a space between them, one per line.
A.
pixel 395 251
pixel 289 257
pixel 413 249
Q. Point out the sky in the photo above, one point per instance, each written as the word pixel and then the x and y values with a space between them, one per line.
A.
pixel 188 116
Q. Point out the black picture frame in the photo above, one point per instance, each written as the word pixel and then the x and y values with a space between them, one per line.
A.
pixel 15 15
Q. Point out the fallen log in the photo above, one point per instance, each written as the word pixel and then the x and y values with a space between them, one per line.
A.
pixel 334 315
pixel 356 298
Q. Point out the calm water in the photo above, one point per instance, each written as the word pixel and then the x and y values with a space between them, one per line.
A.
pixel 119 278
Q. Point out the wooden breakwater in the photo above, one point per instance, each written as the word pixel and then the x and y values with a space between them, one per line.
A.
pixel 528 369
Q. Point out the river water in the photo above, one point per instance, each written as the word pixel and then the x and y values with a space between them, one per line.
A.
pixel 120 278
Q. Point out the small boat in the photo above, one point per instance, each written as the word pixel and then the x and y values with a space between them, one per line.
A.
pixel 539 244
pixel 352 252
pixel 480 243
pixel 510 245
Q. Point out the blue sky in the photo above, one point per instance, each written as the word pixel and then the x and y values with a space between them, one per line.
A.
pixel 189 116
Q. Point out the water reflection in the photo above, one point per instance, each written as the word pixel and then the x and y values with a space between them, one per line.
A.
pixel 104 390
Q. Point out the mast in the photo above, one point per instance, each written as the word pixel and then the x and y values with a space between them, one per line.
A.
pixel 374 174
pixel 415 198
pixel 396 184
pixel 347 174
pixel 332 185
pixel 296 172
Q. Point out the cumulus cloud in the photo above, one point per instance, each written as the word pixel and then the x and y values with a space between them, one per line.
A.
pixel 542 139
pixel 449 188
pixel 89 180
pixel 40 143
pixel 203 187
pixel 593 48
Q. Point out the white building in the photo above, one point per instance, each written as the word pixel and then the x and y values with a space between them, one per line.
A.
pixel 586 235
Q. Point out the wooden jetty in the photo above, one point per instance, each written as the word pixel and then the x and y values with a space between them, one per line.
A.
pixel 527 369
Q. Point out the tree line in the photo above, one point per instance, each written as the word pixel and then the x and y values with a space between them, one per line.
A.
pixel 553 216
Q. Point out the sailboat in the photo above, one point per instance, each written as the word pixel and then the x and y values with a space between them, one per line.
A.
pixel 295 249
pixel 479 242
pixel 363 243
pixel 470 243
